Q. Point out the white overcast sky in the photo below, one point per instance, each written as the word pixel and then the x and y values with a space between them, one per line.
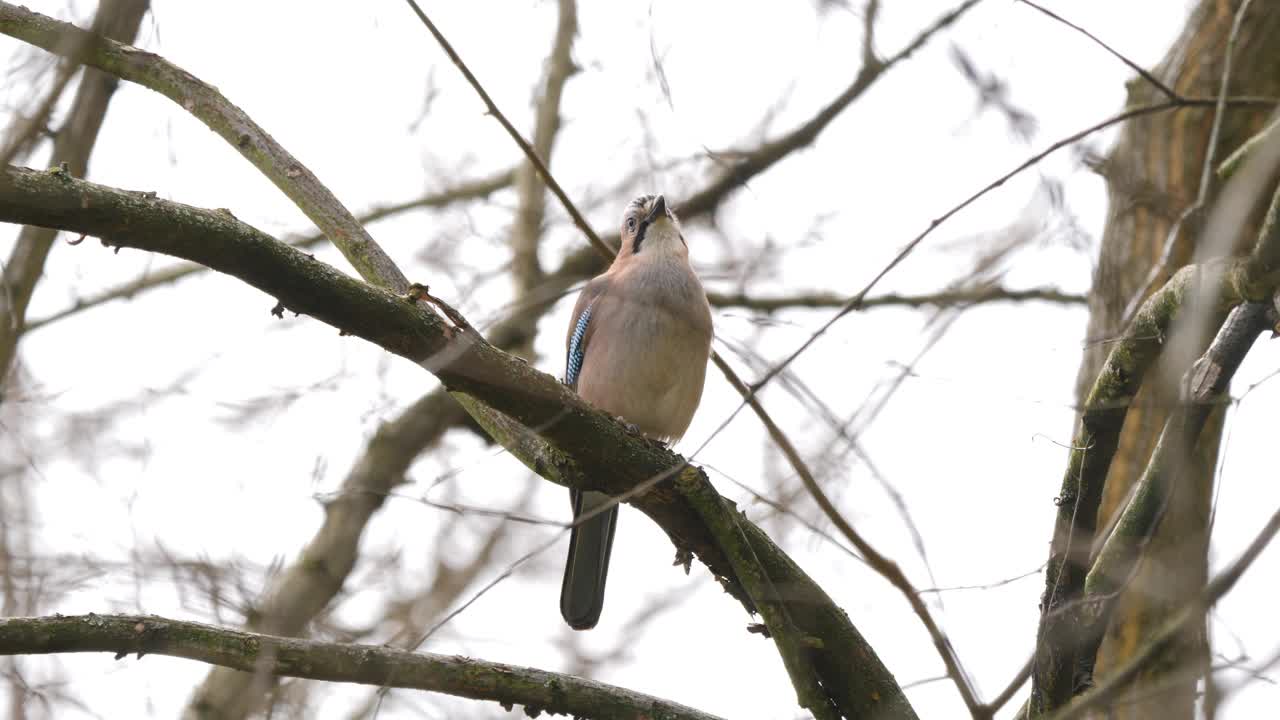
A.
pixel 973 441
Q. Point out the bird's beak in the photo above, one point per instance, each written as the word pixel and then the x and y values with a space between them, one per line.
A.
pixel 659 210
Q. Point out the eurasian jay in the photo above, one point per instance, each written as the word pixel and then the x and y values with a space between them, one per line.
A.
pixel 638 345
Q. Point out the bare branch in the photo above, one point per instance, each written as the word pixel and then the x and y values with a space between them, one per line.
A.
pixel 945 298
pixel 886 567
pixel 537 690
pixel 855 301
pixel 1205 384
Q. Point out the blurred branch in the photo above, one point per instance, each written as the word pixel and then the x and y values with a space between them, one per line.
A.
pixel 508 685
pixel 856 300
pixel 963 296
pixel 72 145
pixel 530 189
pixel 530 152
pixel 750 164
pixel 870 14
pixel 1236 159
pixel 206 104
pixel 26 132
pixel 315 577
pixel 468 190
pixel 575 445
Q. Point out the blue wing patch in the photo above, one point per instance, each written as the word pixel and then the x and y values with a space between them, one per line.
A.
pixel 577 349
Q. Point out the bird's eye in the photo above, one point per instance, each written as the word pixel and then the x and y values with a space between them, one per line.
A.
pixel 631 224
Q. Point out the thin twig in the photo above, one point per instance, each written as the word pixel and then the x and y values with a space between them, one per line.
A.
pixel 528 150
pixel 1146 74
pixel 880 563
pixel 855 301
pixel 966 297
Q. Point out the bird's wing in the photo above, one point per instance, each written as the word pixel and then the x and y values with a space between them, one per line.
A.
pixel 581 329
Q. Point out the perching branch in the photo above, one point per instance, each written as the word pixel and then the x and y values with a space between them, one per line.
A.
pixel 806 686
pixel 508 685
pixel 576 445
pixel 794 647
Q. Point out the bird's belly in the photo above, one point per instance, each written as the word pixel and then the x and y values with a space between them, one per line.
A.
pixel 657 391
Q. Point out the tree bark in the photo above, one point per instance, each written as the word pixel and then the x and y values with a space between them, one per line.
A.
pixel 1153 176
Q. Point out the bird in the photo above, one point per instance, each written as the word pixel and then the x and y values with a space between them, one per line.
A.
pixel 637 348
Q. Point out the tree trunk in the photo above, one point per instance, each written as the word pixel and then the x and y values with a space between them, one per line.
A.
pixel 1153 176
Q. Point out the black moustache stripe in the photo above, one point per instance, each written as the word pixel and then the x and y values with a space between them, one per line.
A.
pixel 644 225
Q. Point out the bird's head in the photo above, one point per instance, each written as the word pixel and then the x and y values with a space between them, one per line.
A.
pixel 649 227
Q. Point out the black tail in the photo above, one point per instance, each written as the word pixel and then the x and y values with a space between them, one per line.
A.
pixel 587 567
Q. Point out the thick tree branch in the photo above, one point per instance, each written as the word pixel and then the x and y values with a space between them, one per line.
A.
pixel 1205 384
pixel 794 647
pixel 576 445
pixel 1211 289
pixel 1121 677
pixel 508 685
pixel 307 586
pixel 1081 492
